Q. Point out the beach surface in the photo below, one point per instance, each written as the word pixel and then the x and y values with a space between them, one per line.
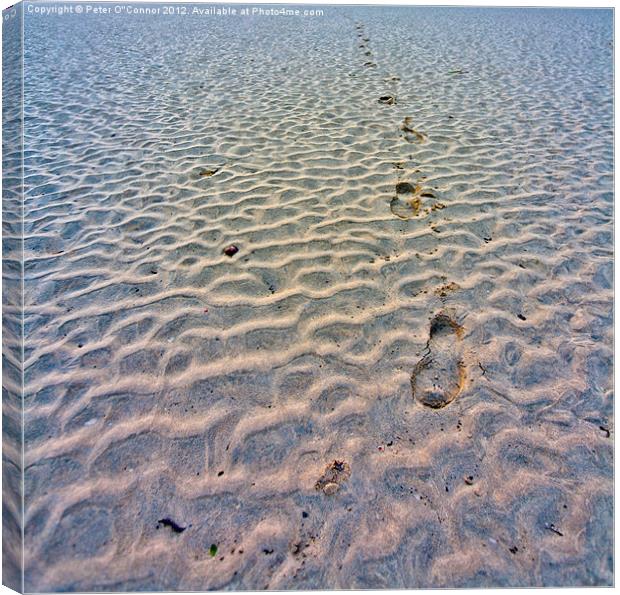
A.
pixel 319 302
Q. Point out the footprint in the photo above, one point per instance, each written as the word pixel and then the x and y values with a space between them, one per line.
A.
pixel 411 135
pixel 387 99
pixel 438 378
pixel 407 202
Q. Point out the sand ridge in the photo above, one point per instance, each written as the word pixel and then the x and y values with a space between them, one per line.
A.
pixel 169 380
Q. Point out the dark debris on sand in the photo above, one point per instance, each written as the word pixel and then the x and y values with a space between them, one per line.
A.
pixel 167 522
pixel 333 476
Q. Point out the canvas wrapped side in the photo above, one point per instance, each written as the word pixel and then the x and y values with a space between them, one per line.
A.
pixel 12 298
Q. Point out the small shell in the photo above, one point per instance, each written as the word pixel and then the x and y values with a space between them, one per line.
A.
pixel 330 489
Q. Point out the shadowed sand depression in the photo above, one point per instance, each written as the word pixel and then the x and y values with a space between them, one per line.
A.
pixel 402 378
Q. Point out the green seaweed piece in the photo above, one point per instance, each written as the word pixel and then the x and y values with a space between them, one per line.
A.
pixel 213 550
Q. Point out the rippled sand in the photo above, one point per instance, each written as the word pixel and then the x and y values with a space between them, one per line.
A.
pixel 403 376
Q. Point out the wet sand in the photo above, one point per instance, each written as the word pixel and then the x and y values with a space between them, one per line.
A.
pixel 402 377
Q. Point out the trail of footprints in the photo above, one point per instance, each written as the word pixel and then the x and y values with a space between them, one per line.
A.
pixel 439 376
pixel 364 40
